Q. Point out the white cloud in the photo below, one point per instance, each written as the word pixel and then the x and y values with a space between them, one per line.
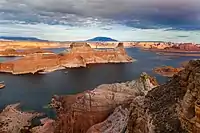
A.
pixel 119 32
pixel 83 19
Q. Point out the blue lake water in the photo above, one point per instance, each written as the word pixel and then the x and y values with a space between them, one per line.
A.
pixel 35 91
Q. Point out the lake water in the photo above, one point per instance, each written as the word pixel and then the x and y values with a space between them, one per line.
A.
pixel 35 91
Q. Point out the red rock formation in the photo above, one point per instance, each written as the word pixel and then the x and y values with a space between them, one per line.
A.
pixel 180 48
pixel 167 71
pixel 13 52
pixel 172 107
pixel 31 45
pixel 189 47
pixel 76 114
pixel 79 56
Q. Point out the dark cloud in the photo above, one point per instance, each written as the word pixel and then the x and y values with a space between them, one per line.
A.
pixel 183 36
pixel 144 14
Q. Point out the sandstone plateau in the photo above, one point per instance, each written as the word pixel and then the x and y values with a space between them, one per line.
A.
pixel 173 48
pixel 31 45
pixel 14 53
pixel 78 56
pixel 138 106
pixel 167 71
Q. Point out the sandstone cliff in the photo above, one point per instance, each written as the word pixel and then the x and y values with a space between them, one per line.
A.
pixel 79 113
pixel 31 44
pixel 172 107
pixel 179 48
pixel 78 56
pixel 12 52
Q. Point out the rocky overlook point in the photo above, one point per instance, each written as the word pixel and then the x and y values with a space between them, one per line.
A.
pixel 138 106
pixel 78 56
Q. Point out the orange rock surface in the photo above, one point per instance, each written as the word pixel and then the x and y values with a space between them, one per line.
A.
pixel 31 44
pixel 185 47
pixel 78 56
pixel 13 52
pixel 167 71
pixel 152 45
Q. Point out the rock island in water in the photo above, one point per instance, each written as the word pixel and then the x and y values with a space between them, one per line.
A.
pixel 78 56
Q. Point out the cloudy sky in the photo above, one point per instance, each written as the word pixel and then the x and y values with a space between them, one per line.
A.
pixel 125 20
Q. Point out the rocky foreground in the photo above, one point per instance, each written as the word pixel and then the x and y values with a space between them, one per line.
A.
pixel 139 106
pixel 78 56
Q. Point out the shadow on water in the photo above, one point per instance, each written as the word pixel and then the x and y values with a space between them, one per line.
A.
pixel 34 92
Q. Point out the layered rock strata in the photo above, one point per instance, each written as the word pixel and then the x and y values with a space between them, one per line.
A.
pixel 31 45
pixel 12 52
pixel 172 107
pixel 78 56
pixel 178 48
pixel 107 106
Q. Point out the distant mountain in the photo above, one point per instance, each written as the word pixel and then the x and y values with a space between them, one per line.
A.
pixel 20 38
pixel 102 39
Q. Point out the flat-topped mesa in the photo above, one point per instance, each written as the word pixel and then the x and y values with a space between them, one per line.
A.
pixel 178 49
pixel 95 106
pixel 153 45
pixel 31 44
pixel 80 48
pixel 189 47
pixel 13 52
pixel 78 56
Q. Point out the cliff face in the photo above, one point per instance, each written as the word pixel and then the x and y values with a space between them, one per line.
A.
pixel 78 56
pixel 13 52
pixel 189 47
pixel 80 113
pixel 30 44
pixel 172 107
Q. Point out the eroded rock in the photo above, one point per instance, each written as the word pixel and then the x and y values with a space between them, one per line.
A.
pixel 172 107
pixel 78 56
pixel 93 107
pixel 12 120
pixel 167 71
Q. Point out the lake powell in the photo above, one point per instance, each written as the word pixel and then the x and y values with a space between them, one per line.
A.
pixel 34 92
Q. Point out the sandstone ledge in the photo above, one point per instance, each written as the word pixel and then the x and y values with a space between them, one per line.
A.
pixel 14 53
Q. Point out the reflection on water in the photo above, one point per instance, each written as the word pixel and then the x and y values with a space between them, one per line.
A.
pixel 35 91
